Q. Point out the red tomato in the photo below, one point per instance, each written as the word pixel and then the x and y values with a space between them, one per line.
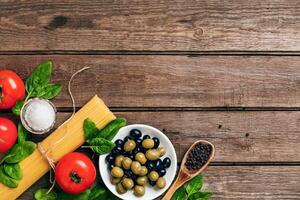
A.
pixel 8 134
pixel 75 173
pixel 12 89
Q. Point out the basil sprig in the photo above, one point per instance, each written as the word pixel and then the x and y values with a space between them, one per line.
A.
pixel 100 140
pixel 37 85
pixel 10 171
pixel 191 191
pixel 98 192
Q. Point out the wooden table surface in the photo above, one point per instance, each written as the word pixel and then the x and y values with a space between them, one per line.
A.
pixel 223 71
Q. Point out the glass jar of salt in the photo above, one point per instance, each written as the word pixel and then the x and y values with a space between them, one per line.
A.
pixel 38 115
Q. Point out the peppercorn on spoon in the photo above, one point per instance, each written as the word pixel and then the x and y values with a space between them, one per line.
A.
pixel 186 174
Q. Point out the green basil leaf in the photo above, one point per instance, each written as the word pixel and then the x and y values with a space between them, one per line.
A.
pixel 41 194
pixel 90 129
pixel 98 193
pixel 22 133
pixel 39 77
pixel 100 145
pixel 82 196
pixel 110 130
pixel 50 91
pixel 13 170
pixel 200 196
pixel 194 185
pixel 19 152
pixel 6 180
pixel 179 194
pixel 17 107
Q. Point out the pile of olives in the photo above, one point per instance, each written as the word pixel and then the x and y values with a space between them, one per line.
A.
pixel 136 161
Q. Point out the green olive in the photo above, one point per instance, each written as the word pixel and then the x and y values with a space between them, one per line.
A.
pixel 117 172
pixel 135 167
pixel 118 161
pixel 161 151
pixel 126 163
pixel 143 171
pixel 115 181
pixel 139 190
pixel 127 183
pixel 141 158
pixel 148 143
pixel 161 182
pixel 129 145
pixel 121 189
pixel 152 154
pixel 153 176
pixel 142 180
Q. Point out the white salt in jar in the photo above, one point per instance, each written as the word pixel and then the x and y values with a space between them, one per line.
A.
pixel 38 115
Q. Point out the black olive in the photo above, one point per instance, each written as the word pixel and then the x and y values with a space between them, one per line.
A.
pixel 143 150
pixel 110 158
pixel 110 166
pixel 128 173
pixel 152 182
pixel 129 154
pixel 135 133
pixel 167 162
pixel 138 141
pixel 162 172
pixel 159 164
pixel 150 165
pixel 146 137
pixel 117 150
pixel 119 142
pixel 156 142
pixel 134 176
pixel 136 150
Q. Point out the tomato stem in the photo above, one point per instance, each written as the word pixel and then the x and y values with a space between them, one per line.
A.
pixel 75 177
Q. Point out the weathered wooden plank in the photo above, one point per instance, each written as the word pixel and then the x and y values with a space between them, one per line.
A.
pixel 156 26
pixel 238 136
pixel 227 182
pixel 174 81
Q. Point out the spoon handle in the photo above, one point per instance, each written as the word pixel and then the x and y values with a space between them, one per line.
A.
pixel 181 179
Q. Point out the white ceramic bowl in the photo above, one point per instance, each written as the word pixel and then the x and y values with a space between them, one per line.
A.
pixel 150 191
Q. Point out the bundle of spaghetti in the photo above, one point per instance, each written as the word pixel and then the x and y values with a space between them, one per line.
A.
pixel 62 141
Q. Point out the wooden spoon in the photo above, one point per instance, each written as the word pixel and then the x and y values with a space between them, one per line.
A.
pixel 184 174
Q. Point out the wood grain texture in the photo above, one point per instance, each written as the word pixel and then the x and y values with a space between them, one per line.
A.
pixel 245 183
pixel 237 136
pixel 173 81
pixel 166 25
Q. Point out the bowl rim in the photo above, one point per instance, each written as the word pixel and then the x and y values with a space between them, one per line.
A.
pixel 170 148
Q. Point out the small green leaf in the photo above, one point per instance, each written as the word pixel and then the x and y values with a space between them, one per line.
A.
pixel 194 185
pixel 6 180
pixel 179 194
pixel 41 194
pixel 98 193
pixel 50 91
pixel 110 130
pixel 13 170
pixel 39 77
pixel 17 107
pixel 22 133
pixel 82 196
pixel 90 129
pixel 100 145
pixel 200 196
pixel 19 152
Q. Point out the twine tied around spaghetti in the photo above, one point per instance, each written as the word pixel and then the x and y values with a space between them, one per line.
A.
pixel 39 145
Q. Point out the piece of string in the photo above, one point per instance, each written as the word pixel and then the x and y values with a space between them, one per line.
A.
pixel 40 147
